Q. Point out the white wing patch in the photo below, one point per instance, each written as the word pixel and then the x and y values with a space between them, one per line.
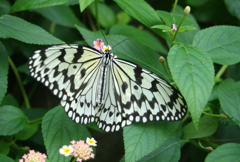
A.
pixel 97 86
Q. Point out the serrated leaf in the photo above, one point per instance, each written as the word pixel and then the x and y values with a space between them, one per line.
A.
pixel 62 15
pixel 140 10
pixel 226 152
pixel 84 4
pixel 129 50
pixel 222 43
pixel 192 70
pixel 3 71
pixel 6 158
pixel 169 151
pixel 207 126
pixel 17 28
pixel 229 97
pixel 12 120
pixel 21 5
pixel 103 10
pixel 140 36
pixel 141 139
pixel 58 130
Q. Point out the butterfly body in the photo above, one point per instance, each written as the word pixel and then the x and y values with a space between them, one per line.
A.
pixel 98 86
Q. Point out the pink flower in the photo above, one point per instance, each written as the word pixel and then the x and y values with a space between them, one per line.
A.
pixel 82 151
pixel 33 156
pixel 174 27
pixel 98 43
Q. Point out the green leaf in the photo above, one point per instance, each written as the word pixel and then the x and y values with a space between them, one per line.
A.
pixel 12 120
pixel 62 15
pixel 140 10
pixel 9 100
pixel 233 7
pixel 222 43
pixel 140 36
pixel 141 139
pixel 123 18
pixel 229 96
pixel 207 126
pixel 192 70
pixel 16 28
pixel 58 130
pixel 84 4
pixel 169 151
pixel 28 131
pixel 162 27
pixel 186 28
pixel 224 153
pixel 3 71
pixel 21 5
pixel 103 10
pixel 129 50
pixel 167 18
pixel 6 158
pixel 4 149
pixel 5 7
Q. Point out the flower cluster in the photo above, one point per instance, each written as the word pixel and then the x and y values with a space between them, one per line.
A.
pixel 33 156
pixel 79 149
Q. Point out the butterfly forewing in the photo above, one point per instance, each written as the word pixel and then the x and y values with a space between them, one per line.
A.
pixel 66 70
pixel 117 93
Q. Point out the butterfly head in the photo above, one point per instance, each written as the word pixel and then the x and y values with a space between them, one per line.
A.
pixel 107 50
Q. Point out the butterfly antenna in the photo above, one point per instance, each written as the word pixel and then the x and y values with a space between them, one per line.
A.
pixel 121 42
pixel 103 35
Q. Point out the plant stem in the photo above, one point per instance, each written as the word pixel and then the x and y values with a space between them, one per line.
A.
pixel 36 121
pixel 52 27
pixel 213 115
pixel 221 71
pixel 173 11
pixel 26 100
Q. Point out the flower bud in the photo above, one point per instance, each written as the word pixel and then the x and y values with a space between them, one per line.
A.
pixel 161 59
pixel 187 10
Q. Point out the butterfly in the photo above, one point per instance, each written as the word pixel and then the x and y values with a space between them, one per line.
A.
pixel 97 86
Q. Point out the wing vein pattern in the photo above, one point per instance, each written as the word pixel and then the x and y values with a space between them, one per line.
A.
pixel 130 92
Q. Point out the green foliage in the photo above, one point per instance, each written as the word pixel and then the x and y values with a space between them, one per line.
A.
pixel 203 62
pixel 136 138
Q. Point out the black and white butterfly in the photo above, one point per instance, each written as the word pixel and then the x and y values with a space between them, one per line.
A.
pixel 98 86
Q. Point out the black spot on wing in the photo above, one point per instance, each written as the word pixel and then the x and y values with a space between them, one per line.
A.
pixel 154 86
pixel 137 73
pixel 78 54
pixel 83 72
pixel 124 87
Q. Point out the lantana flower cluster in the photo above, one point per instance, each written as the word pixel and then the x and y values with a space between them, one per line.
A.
pixel 79 149
pixel 33 156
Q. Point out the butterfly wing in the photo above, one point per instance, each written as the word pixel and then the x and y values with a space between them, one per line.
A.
pixel 70 72
pixel 135 94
